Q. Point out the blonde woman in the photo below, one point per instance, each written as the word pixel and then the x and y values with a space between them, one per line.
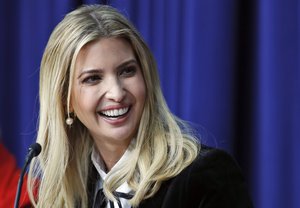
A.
pixel 108 138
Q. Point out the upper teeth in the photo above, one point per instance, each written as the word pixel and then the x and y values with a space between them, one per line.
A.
pixel 115 112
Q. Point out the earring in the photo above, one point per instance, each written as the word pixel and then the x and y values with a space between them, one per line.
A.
pixel 69 121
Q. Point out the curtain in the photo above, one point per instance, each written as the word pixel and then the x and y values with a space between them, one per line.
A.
pixel 229 67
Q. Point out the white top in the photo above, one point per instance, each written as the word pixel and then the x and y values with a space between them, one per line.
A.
pixel 100 167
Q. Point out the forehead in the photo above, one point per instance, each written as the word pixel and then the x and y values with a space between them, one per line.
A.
pixel 104 52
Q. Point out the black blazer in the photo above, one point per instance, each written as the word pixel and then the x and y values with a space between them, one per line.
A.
pixel 213 180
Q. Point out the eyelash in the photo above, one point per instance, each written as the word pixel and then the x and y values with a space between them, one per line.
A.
pixel 128 71
pixel 91 79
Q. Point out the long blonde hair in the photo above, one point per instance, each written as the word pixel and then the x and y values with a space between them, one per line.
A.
pixel 164 144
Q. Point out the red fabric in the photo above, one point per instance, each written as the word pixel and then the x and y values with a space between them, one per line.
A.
pixel 9 176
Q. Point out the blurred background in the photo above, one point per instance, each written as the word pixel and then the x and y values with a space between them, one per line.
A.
pixel 230 67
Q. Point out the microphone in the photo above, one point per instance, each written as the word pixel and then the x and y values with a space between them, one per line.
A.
pixel 33 151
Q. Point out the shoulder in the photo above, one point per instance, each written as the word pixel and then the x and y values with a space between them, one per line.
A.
pixel 212 168
pixel 9 180
pixel 213 179
pixel 216 164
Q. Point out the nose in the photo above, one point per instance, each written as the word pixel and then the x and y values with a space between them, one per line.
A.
pixel 115 90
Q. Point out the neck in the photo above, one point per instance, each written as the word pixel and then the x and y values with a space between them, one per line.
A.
pixel 111 154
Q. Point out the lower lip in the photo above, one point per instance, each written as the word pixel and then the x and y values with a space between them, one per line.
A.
pixel 115 121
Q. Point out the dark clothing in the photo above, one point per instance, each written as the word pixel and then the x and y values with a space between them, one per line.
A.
pixel 213 180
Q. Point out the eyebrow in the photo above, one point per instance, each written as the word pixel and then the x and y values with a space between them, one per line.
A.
pixel 93 71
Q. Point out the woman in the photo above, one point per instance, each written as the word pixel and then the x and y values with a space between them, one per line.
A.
pixel 10 174
pixel 107 135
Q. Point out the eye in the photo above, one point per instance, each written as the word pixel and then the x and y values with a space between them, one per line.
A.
pixel 92 79
pixel 128 71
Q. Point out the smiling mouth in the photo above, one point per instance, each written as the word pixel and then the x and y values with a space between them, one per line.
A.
pixel 115 113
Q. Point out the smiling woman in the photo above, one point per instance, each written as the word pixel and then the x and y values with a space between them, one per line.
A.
pixel 108 95
pixel 108 137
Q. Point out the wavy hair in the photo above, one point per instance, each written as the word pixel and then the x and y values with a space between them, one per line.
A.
pixel 164 144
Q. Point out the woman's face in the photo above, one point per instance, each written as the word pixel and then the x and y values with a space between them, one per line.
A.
pixel 109 91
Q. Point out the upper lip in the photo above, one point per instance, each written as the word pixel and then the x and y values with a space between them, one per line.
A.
pixel 114 107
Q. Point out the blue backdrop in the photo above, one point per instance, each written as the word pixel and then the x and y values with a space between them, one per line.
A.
pixel 230 67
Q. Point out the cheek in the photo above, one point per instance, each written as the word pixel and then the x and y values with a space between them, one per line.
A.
pixel 83 100
pixel 140 92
